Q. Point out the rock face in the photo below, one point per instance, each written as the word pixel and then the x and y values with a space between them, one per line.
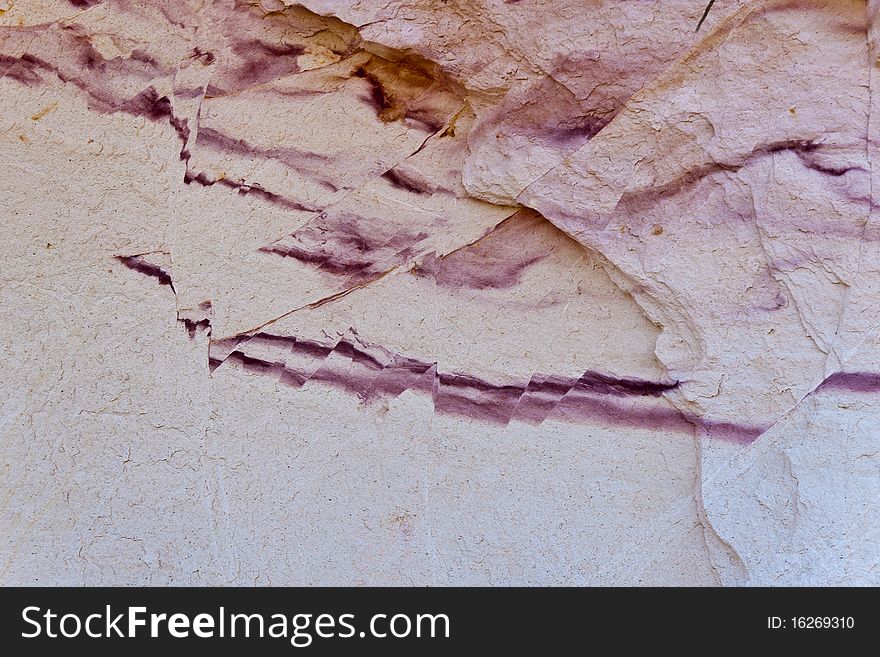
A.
pixel 408 292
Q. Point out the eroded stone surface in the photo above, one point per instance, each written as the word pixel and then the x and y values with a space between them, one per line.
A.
pixel 444 293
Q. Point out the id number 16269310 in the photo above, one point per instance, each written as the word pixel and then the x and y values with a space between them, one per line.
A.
pixel 811 623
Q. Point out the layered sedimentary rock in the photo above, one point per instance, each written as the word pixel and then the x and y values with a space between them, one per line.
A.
pixel 440 293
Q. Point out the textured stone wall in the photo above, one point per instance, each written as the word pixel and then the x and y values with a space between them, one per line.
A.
pixel 419 292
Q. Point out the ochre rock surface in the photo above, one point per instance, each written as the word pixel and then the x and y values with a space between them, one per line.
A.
pixel 408 292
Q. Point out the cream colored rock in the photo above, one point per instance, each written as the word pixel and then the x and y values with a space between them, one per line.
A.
pixel 439 293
